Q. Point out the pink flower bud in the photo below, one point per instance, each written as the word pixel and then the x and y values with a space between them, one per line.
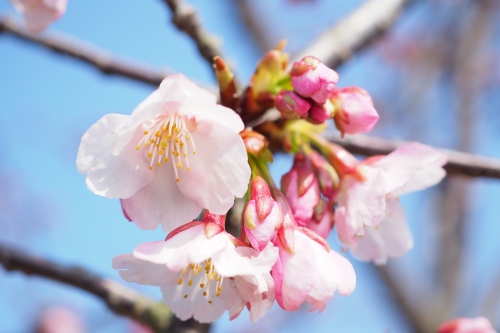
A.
pixel 291 105
pixel 328 178
pixel 321 113
pixel 322 220
pixel 262 216
pixel 467 325
pixel 301 189
pixel 354 112
pixel 311 78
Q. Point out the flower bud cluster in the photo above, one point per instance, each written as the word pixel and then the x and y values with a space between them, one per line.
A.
pixel 316 98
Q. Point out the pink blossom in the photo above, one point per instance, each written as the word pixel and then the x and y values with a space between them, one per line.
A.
pixel 301 189
pixel 203 271
pixel 467 325
pixel 354 110
pixel 292 106
pixel 177 153
pixel 39 14
pixel 369 219
pixel 307 270
pixel 311 78
pixel 262 216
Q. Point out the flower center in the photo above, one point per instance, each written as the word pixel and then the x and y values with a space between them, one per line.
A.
pixel 167 139
pixel 209 278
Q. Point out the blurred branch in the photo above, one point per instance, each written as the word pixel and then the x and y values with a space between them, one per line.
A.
pixel 101 59
pixel 253 22
pixel 458 162
pixel 354 32
pixel 418 325
pixel 117 297
pixel 186 19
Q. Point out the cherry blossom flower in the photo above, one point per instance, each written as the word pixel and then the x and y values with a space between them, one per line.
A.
pixel 177 153
pixel 262 216
pixel 467 325
pixel 203 271
pixel 307 269
pixel 39 14
pixel 369 219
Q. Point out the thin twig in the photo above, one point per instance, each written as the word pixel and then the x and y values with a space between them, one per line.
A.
pixel 186 19
pixel 354 32
pixel 458 162
pixel 118 298
pixel 101 59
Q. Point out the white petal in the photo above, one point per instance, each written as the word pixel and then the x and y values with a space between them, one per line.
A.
pixel 143 272
pixel 219 170
pixel 107 154
pixel 195 305
pixel 190 246
pixel 364 201
pixel 230 262
pixel 216 113
pixel 403 163
pixel 391 240
pixel 428 176
pixel 160 201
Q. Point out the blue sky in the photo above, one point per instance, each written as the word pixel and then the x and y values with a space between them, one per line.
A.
pixel 48 101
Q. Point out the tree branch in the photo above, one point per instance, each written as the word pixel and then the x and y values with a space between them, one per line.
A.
pixel 101 59
pixel 354 32
pixel 458 162
pixel 117 297
pixel 186 19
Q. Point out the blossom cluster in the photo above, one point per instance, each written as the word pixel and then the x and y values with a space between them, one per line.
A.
pixel 180 159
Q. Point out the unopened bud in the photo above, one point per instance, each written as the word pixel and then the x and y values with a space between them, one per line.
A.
pixel 318 114
pixel 262 216
pixel 354 110
pixel 254 142
pixel 292 106
pixel 227 86
pixel 311 78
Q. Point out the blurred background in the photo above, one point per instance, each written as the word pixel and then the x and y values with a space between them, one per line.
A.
pixel 434 77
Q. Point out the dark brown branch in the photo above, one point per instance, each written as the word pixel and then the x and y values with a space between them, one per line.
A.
pixel 186 19
pixel 354 32
pixel 118 298
pixel 101 59
pixel 458 162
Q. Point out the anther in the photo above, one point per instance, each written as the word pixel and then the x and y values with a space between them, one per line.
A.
pixel 209 302
pixel 202 285
pixel 204 293
pixel 190 283
pixel 179 282
pixel 186 296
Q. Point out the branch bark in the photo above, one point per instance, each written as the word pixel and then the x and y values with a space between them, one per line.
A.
pixel 458 162
pixel 103 60
pixel 118 298
pixel 354 32
pixel 185 18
